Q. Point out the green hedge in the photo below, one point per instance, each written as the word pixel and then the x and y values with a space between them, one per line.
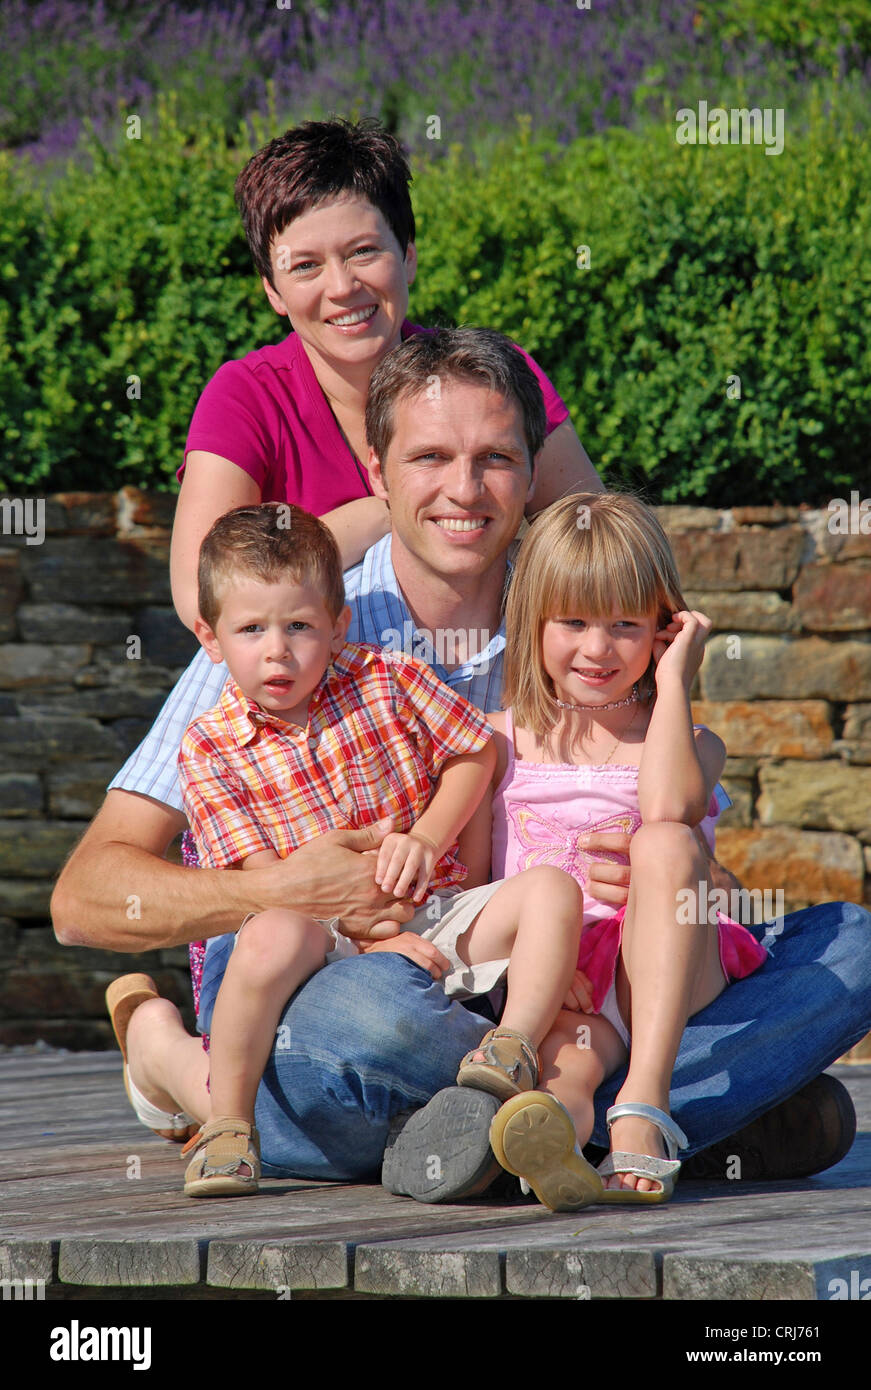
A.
pixel 706 262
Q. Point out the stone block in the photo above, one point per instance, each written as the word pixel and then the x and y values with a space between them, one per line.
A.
pixel 816 796
pixel 58 622
pixel 145 509
pixel 25 898
pixel 834 598
pixel 93 570
pixel 11 583
pixel 738 559
pixel 764 516
pixel 108 700
pixel 770 729
pixel 809 866
pixel 673 519
pixel 744 612
pixel 29 664
pixel 857 722
pixel 20 794
pixel 740 767
pixel 87 513
pixel 786 668
pixel 36 849
pixel 740 790
pixel 35 743
pixel 165 640
pixel 76 793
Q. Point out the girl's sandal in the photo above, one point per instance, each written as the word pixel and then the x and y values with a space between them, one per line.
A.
pixel 218 1151
pixel 510 1064
pixel 123 998
pixel 661 1170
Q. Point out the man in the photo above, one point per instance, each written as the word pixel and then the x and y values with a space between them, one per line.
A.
pixel 454 421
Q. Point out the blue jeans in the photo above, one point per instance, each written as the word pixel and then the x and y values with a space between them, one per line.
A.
pixel 369 1037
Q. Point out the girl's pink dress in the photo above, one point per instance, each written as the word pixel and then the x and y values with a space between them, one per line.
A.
pixel 541 814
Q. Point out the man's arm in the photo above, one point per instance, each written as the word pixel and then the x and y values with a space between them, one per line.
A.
pixel 119 893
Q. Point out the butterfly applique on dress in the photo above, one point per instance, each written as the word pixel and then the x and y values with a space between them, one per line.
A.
pixel 543 840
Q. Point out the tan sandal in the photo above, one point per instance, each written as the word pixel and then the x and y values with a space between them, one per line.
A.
pixel 510 1067
pixel 218 1151
pixel 123 998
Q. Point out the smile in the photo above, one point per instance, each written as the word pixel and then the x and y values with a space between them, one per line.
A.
pixel 450 523
pixel 356 316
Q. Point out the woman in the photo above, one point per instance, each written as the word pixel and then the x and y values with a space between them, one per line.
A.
pixel 328 217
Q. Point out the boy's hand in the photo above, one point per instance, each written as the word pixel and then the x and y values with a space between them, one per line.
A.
pixel 409 944
pixel 403 861
pixel 580 996
pixel 679 648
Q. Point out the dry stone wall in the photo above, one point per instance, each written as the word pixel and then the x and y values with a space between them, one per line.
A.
pixel 90 646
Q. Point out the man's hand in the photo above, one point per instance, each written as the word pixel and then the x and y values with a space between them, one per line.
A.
pixel 421 952
pixel 580 996
pixel 339 873
pixel 405 861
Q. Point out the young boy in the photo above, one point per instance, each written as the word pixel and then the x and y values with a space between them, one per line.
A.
pixel 313 734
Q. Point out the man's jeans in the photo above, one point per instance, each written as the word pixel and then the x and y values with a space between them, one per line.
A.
pixel 369 1037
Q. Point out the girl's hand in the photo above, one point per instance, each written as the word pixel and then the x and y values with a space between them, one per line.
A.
pixel 404 860
pixel 679 648
pixel 580 996
pixel 423 953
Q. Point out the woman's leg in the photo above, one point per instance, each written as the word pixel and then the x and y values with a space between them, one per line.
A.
pixel 668 970
pixel 535 919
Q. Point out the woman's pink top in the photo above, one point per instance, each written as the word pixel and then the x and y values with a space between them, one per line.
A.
pixel 268 414
pixel 542 812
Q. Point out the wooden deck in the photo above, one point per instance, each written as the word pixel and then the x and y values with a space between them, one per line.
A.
pixel 92 1206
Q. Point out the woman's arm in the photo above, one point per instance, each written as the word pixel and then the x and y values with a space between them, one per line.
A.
pixel 211 486
pixel 562 467
pixel 356 526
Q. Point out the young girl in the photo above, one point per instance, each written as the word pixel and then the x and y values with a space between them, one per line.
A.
pixel 597 736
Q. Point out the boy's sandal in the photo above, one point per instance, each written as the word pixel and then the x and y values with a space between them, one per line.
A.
pixel 661 1170
pixel 218 1151
pixel 123 998
pixel 533 1136
pixel 510 1064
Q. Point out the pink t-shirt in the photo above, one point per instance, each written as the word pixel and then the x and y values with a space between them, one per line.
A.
pixel 267 413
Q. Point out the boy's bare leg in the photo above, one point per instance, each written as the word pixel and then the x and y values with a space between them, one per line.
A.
pixel 668 970
pixel 534 918
pixel 275 953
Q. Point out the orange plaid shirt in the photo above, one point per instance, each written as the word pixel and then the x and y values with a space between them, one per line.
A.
pixel 380 729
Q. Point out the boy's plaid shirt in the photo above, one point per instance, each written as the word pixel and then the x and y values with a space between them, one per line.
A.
pixel 380 728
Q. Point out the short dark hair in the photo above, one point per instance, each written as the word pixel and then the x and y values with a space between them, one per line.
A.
pixel 316 161
pixel 478 355
pixel 269 542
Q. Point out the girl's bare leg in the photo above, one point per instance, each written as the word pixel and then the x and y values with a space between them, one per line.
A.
pixel 535 919
pixel 668 970
pixel 167 1065
pixel 578 1054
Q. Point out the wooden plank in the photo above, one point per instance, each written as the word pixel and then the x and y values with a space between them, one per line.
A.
pixel 26 1259
pixel 707 1275
pixel 279 1265
pixel 413 1271
pixel 117 1263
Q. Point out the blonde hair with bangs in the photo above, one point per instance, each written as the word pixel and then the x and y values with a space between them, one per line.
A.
pixel 589 555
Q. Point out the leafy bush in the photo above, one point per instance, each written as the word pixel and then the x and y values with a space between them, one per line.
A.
pixel 706 263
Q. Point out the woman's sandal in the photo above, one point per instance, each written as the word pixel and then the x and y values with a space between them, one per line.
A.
pixel 217 1152
pixel 123 998
pixel 533 1137
pixel 661 1170
pixel 510 1067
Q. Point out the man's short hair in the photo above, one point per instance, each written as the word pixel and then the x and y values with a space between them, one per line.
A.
pixel 427 360
pixel 269 542
pixel 313 163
